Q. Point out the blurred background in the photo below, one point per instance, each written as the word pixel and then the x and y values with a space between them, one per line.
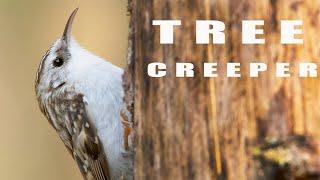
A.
pixel 29 148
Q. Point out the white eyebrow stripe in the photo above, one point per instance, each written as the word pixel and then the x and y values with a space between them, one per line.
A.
pixel 41 63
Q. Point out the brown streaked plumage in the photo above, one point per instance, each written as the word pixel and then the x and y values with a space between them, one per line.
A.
pixel 81 95
pixel 67 113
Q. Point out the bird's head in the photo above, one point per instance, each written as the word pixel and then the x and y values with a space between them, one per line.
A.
pixel 55 66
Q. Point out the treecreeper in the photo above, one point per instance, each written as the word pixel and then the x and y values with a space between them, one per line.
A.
pixel 82 97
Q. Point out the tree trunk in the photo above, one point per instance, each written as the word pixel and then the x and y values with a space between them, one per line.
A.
pixel 223 128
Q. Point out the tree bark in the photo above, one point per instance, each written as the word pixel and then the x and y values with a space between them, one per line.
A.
pixel 223 128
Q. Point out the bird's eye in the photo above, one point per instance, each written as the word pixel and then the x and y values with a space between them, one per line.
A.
pixel 58 62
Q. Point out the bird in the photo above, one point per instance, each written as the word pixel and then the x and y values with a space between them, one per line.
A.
pixel 81 95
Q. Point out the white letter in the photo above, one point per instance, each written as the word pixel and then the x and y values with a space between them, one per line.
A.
pixel 308 70
pixel 232 68
pixel 184 70
pixel 209 69
pixel 166 29
pixel 249 32
pixel 157 69
pixel 282 70
pixel 255 68
pixel 288 31
pixel 203 32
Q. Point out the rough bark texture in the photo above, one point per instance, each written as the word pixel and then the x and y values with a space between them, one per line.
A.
pixel 240 128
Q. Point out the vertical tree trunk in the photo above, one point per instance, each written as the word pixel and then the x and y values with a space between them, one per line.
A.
pixel 228 128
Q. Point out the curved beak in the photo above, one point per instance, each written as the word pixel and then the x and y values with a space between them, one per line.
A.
pixel 67 31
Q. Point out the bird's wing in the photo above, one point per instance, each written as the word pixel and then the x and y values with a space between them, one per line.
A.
pixel 69 116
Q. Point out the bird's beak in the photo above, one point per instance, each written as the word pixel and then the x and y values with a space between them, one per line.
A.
pixel 67 31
